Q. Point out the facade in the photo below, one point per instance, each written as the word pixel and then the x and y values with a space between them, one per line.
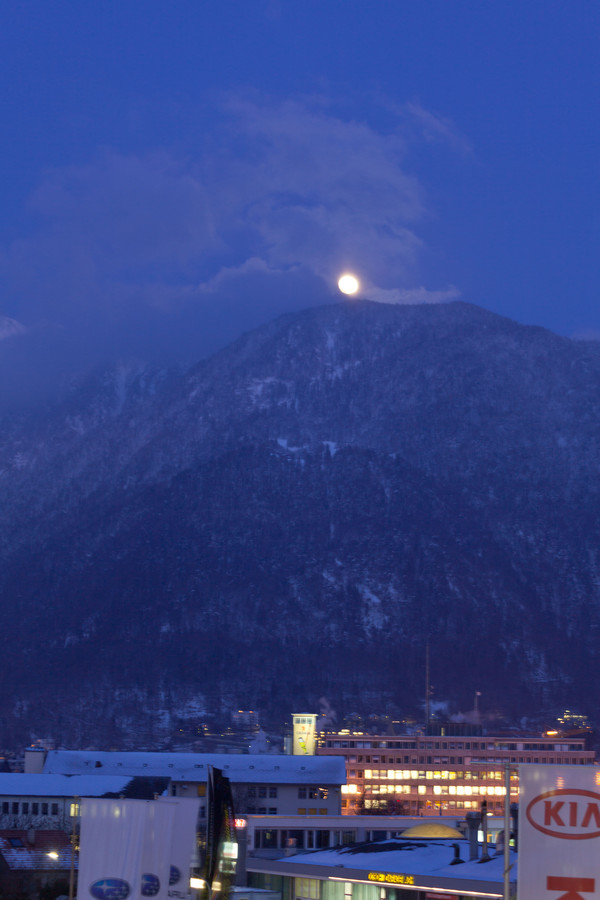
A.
pixel 443 773
pixel 264 784
pixel 49 802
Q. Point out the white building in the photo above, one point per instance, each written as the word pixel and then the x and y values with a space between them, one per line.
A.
pixel 261 784
pixel 48 802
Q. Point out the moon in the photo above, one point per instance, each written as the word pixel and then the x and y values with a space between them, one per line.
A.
pixel 348 284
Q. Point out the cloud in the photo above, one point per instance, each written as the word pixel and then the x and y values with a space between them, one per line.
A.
pixel 587 334
pixel 413 295
pixel 287 194
pixel 10 328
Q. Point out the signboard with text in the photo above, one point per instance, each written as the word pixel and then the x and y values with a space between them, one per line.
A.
pixel 559 832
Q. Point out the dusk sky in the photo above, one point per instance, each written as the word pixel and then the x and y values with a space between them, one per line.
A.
pixel 174 174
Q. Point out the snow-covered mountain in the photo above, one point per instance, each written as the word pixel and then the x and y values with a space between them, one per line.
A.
pixel 297 517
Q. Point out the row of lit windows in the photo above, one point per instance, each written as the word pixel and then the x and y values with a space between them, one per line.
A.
pixel 458 790
pixel 434 774
pixel 439 804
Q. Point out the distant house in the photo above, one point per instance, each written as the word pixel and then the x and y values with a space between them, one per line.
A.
pixel 48 802
pixel 31 860
pixel 262 784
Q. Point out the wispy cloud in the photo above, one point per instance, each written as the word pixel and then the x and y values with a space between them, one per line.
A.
pixel 10 328
pixel 289 192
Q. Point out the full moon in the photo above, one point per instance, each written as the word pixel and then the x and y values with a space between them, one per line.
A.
pixel 348 284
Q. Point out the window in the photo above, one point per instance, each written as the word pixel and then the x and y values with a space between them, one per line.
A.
pixel 54 809
pixel 15 809
pixel 272 810
pixel 35 809
pixel 272 792
pixel 302 794
pixel 252 792
pixel 262 791
pixel 44 809
pixel 4 808
pixel 307 888
pixel 74 809
pixel 25 809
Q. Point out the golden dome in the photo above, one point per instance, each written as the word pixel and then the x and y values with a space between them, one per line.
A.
pixel 432 830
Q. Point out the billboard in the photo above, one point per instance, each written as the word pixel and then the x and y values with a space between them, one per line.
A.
pixel 559 832
pixel 305 726
pixel 124 849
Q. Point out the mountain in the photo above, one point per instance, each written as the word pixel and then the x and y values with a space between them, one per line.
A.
pixel 299 516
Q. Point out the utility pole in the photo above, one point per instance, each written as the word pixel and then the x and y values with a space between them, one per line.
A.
pixel 427 688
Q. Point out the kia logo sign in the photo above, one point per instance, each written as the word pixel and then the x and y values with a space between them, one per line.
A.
pixel 573 815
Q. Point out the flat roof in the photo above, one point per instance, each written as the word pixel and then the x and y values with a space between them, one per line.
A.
pixel 238 767
pixel 46 785
pixel 416 864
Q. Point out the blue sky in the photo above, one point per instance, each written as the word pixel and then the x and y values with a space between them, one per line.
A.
pixel 176 173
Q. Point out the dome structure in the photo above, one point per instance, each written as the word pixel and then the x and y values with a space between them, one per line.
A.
pixel 432 830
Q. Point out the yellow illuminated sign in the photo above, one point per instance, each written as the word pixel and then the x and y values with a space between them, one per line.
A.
pixel 391 878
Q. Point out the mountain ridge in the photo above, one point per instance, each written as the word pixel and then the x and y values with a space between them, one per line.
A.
pixel 311 505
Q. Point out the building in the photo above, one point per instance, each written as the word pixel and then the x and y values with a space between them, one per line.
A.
pixel 445 773
pixel 49 802
pixel 441 866
pixel 261 784
pixel 33 860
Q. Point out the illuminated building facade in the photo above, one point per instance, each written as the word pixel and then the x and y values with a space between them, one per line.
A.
pixel 440 774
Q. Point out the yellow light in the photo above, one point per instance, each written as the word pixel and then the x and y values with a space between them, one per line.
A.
pixel 348 284
pixel 53 854
pixel 197 883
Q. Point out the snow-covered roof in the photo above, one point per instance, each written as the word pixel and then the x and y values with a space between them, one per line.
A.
pixel 17 785
pixel 423 859
pixel 238 767
pixel 34 856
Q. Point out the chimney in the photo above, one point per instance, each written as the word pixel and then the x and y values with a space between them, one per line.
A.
pixel 457 860
pixel 485 854
pixel 473 822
